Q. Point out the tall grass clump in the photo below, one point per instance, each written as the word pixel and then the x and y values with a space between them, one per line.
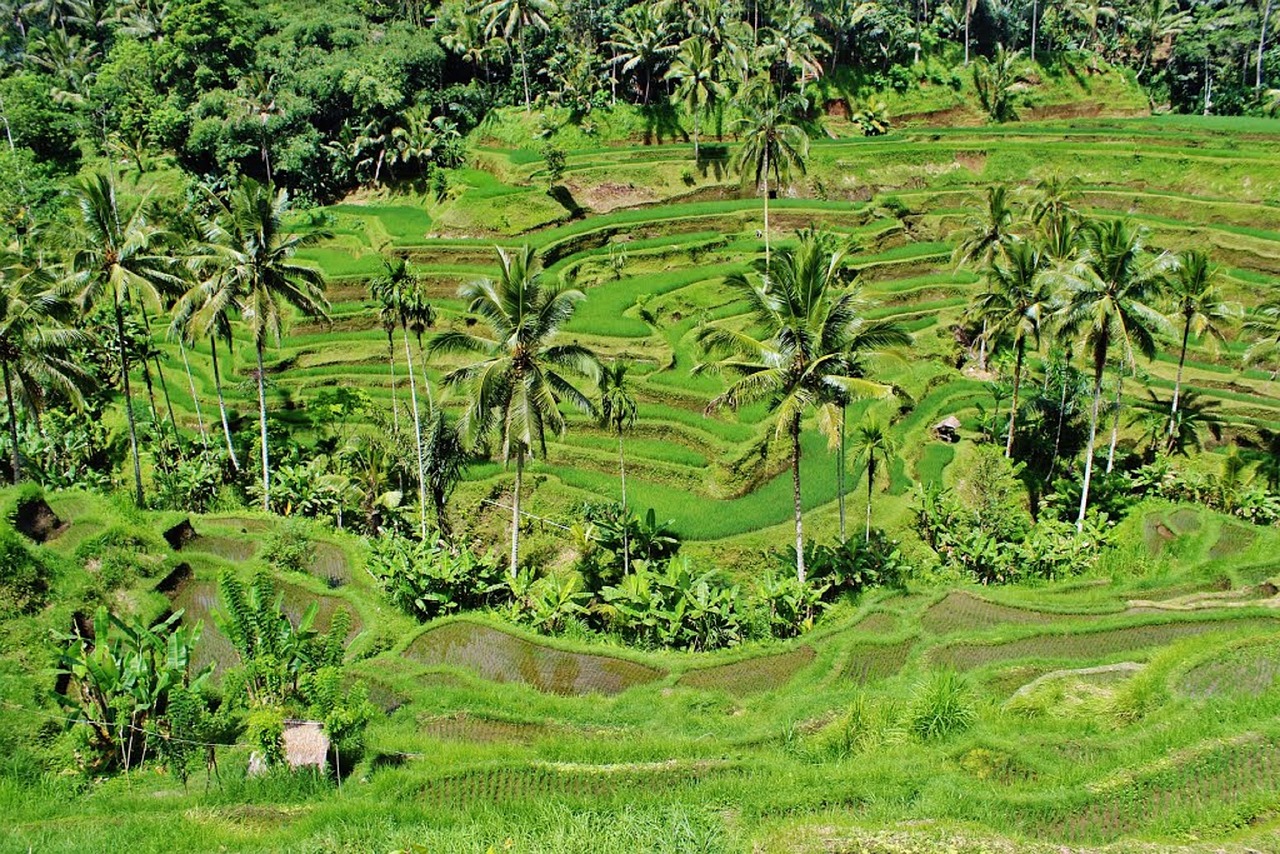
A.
pixel 941 706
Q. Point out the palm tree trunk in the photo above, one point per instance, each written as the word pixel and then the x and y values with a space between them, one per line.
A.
pixel 1017 381
pixel 1115 425
pixel 795 491
pixel 168 404
pixel 695 134
pixel 1262 43
pixel 14 457
pixel 968 13
pixel 222 405
pixel 417 436
pixel 1177 383
pixel 128 403
pixel 262 430
pixel 1034 10
pixel 1100 359
pixel 515 513
pixel 871 478
pixel 622 477
pixel 1057 438
pixel 840 467
pixel 191 383
pixel 766 212
pixel 524 71
pixel 395 404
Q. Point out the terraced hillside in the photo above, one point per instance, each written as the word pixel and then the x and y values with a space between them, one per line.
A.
pixel 650 234
pixel 1135 709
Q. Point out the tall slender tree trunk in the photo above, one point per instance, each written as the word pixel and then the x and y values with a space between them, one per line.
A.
pixel 168 405
pixel 128 403
pixel 1020 353
pixel 417 435
pixel 795 490
pixel 968 13
pixel 164 386
pixel 840 467
pixel 515 513
pixel 262 430
pixel 222 404
pixel 1177 383
pixel 622 477
pixel 1034 23
pixel 195 398
pixel 15 459
pixel 395 404
pixel 1100 359
pixel 871 479
pixel 1262 42
pixel 1057 438
pixel 524 72
pixel 1115 424
pixel 766 212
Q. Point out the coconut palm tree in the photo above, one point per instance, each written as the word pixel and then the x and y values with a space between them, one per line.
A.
pixel 206 310
pixel 983 238
pixel 773 146
pixel 1198 304
pixel 797 352
pixel 1015 304
pixel 695 71
pixel 641 42
pixel 519 380
pixel 514 18
pixel 1264 325
pixel 1108 302
pixel 617 412
pixel 34 344
pixel 872 444
pixel 399 290
pixel 119 257
pixel 255 256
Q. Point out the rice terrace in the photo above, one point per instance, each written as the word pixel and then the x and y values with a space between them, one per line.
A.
pixel 608 426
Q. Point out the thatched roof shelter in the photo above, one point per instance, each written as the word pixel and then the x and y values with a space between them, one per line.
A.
pixel 305 744
pixel 948 429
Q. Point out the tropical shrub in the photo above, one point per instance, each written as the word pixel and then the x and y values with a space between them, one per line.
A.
pixel 24 577
pixel 190 484
pixel 676 607
pixel 434 578
pixel 120 682
pixel 290 547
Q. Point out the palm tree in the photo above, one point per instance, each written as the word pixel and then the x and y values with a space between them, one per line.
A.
pixel 801 358
pixel 982 238
pixel 121 257
pixel 1016 302
pixel 206 310
pixel 515 17
pixel 970 6
pixel 695 73
pixel 519 381
pixel 641 41
pixel 772 145
pixel 872 444
pixel 1107 302
pixel 618 412
pixel 1264 324
pixel 1056 198
pixel 1198 303
pixel 398 289
pixel 257 95
pixel 34 345
pixel 259 274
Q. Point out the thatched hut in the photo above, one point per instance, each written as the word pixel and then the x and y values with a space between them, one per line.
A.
pixel 305 744
pixel 948 429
